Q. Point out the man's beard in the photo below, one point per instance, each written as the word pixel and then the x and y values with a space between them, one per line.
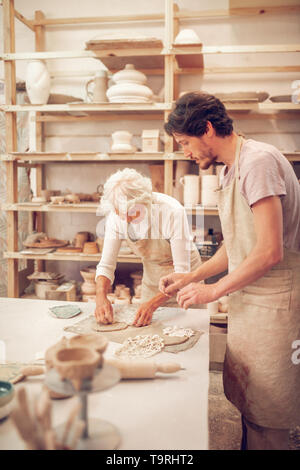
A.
pixel 207 161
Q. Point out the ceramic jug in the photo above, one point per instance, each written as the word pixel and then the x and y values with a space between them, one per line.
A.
pixel 190 189
pixel 100 87
pixel 37 82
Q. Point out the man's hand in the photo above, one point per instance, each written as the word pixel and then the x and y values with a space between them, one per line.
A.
pixel 144 314
pixel 104 311
pixel 196 293
pixel 171 283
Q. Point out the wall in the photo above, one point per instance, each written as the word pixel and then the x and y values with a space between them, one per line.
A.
pixel 250 30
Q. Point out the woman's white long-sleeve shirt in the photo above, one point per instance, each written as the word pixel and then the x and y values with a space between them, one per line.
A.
pixel 168 221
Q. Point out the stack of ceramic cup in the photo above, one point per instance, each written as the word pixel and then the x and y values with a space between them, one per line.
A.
pixel 209 184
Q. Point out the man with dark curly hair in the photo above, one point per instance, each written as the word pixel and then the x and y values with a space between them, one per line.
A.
pixel 259 208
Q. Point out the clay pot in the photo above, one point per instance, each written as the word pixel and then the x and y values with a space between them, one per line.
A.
pixel 88 288
pixel 76 364
pixel 90 248
pixel 47 194
pixel 122 142
pixel 81 238
pixel 88 275
pixel 41 287
pixel 74 198
pixel 57 199
pixel 122 301
pixel 97 342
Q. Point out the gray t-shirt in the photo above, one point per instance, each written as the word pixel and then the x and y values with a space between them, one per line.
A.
pixel 264 172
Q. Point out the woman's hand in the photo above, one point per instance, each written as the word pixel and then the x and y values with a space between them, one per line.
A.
pixel 196 293
pixel 104 311
pixel 171 283
pixel 144 314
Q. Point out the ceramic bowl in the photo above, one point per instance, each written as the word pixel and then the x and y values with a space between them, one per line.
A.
pixel 57 199
pixel 6 392
pixel 187 36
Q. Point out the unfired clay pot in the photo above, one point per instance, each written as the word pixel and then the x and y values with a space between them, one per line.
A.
pixel 76 364
pixel 97 342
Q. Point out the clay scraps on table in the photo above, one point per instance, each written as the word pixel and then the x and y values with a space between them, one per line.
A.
pixel 140 346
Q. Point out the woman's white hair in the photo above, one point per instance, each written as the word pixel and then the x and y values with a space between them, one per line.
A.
pixel 124 189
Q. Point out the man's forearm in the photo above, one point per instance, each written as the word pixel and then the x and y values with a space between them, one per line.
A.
pixel 217 264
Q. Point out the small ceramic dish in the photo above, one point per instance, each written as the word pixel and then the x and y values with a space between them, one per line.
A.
pixel 6 392
pixel 65 311
pixel 57 199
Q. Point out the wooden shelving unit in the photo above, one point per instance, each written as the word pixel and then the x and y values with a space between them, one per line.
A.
pixel 165 59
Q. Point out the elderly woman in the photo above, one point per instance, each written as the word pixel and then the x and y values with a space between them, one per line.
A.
pixel 155 227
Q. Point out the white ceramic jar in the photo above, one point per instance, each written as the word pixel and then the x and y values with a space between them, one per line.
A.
pixel 37 82
pixel 129 87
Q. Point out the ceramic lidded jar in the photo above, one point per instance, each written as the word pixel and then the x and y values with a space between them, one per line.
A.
pixel 37 82
pixel 129 87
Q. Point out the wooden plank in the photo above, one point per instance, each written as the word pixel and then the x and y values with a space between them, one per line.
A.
pixel 239 11
pixel 182 14
pixel 100 19
pixel 123 43
pixel 262 3
pixel 85 208
pixel 65 257
pixel 23 20
pixel 11 146
pixel 92 107
pixel 44 157
pixel 39 31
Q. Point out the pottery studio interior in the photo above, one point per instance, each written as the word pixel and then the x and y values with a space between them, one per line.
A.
pixel 150 227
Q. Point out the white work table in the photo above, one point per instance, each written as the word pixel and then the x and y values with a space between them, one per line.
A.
pixel 169 412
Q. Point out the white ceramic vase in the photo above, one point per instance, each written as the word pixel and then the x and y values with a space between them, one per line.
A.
pixel 129 87
pixel 37 82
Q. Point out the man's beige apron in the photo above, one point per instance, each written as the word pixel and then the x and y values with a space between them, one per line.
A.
pixel 157 261
pixel 260 378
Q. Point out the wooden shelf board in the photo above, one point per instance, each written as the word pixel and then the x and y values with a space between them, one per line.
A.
pixel 91 107
pixel 145 108
pixel 65 257
pixel 44 157
pixel 86 207
pixel 181 14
